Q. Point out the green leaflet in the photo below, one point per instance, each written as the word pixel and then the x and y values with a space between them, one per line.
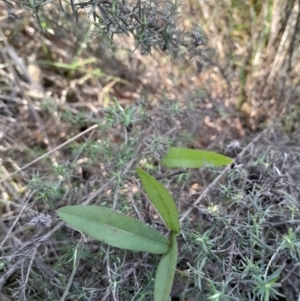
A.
pixel 165 272
pixel 161 200
pixel 193 158
pixel 114 228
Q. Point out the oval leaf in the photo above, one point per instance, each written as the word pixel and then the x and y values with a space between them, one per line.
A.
pixel 165 272
pixel 161 200
pixel 115 229
pixel 193 158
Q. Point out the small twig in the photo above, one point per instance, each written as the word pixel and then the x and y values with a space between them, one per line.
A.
pixel 169 175
pixel 272 259
pixel 134 267
pixel 77 255
pixel 50 152
pixel 28 270
pixel 16 220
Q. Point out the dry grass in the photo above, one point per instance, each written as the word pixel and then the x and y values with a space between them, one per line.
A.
pixel 259 43
pixel 77 116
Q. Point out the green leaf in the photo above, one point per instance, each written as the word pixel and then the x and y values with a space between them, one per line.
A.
pixel 165 272
pixel 193 158
pixel 115 229
pixel 161 200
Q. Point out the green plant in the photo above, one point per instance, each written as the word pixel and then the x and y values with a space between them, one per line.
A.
pixel 152 24
pixel 125 232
